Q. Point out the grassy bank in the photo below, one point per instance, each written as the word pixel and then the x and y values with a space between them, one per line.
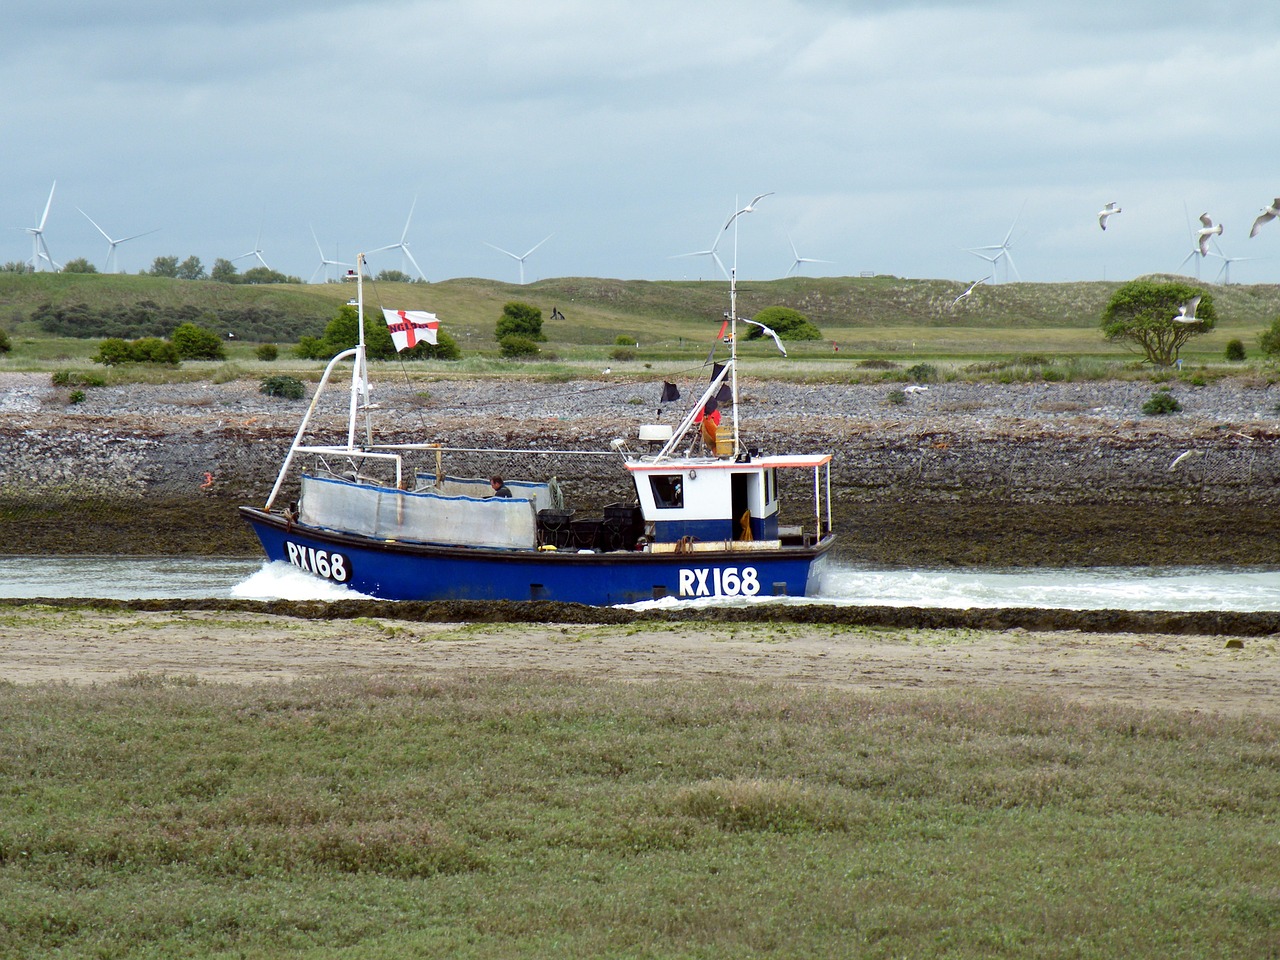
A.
pixel 522 816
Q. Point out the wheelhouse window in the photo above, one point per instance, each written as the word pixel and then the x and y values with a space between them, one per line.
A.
pixel 668 490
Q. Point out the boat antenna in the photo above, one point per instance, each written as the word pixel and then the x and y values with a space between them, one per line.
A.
pixel 733 314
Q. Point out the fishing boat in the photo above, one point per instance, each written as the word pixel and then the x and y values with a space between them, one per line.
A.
pixel 704 521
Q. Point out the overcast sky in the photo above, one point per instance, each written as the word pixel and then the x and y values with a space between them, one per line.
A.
pixel 893 135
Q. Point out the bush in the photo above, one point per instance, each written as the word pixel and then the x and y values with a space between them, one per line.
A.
pixel 113 351
pixel 519 319
pixel 197 343
pixel 5 345
pixel 74 378
pixel 513 345
pixel 624 340
pixel 1235 350
pixel 1161 402
pixel 923 372
pixel 76 396
pixel 896 397
pixel 622 353
pixel 788 324
pixel 267 352
pixel 289 388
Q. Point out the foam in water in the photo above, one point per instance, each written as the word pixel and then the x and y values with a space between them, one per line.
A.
pixel 278 580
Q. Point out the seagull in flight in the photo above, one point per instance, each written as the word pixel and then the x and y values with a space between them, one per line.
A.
pixel 1187 312
pixel 749 208
pixel 1109 210
pixel 969 291
pixel 1207 231
pixel 1266 216
pixel 776 339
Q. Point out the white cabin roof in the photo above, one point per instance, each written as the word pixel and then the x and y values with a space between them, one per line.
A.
pixel 800 460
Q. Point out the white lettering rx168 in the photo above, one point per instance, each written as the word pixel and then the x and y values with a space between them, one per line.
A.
pixel 323 563
pixel 719 582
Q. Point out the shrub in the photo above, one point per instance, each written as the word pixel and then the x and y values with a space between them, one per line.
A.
pixel 519 319
pixel 1235 350
pixel 76 396
pixel 5 345
pixel 267 352
pixel 155 350
pixel 896 396
pixel 112 352
pixel 923 372
pixel 1269 340
pixel 197 343
pixel 513 345
pixel 1161 402
pixel 622 353
pixel 74 378
pixel 788 324
pixel 288 388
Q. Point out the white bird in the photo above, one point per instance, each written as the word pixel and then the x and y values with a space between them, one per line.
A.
pixel 1203 234
pixel 1266 216
pixel 776 339
pixel 1110 209
pixel 969 291
pixel 607 370
pixel 749 208
pixel 915 388
pixel 1187 312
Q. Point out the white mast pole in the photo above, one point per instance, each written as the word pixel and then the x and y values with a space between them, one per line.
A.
pixel 359 373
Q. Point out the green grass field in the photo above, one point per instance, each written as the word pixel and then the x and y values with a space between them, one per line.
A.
pixel 519 815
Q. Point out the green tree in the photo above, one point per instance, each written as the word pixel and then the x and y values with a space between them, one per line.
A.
pixel 1269 340
pixel 197 343
pixel 1141 314
pixel 191 269
pixel 394 276
pixel 15 266
pixel 164 267
pixel 788 324
pixel 520 319
pixel 79 265
pixel 224 271
pixel 266 275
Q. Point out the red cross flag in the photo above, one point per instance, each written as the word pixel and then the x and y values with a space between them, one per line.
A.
pixel 410 327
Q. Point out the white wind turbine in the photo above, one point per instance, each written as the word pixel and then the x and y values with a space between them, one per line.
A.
pixel 520 259
pixel 709 252
pixel 799 259
pixel 1199 239
pixel 1003 252
pixel 39 249
pixel 403 244
pixel 112 244
pixel 325 263
pixel 255 252
pixel 1224 275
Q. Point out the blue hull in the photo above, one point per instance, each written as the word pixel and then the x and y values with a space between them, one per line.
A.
pixel 413 571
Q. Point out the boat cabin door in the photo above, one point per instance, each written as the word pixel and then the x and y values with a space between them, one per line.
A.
pixel 741 504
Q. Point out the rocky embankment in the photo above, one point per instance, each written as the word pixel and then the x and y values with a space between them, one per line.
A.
pixel 959 473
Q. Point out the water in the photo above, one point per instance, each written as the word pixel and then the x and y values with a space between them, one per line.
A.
pixel 1112 588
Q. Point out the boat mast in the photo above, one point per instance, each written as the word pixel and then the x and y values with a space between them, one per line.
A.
pixel 360 372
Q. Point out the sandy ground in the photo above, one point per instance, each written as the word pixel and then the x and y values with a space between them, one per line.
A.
pixel 1200 673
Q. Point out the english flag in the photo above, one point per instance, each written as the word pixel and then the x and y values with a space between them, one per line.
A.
pixel 410 327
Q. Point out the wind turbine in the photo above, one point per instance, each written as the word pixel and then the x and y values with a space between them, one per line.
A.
pixel 324 262
pixel 403 245
pixel 799 259
pixel 255 252
pixel 521 259
pixel 1224 274
pixel 710 252
pixel 112 244
pixel 1003 253
pixel 39 249
pixel 1199 239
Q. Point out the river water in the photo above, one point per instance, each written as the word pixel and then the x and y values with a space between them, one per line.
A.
pixel 1111 588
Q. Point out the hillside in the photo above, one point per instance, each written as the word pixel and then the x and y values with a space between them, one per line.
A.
pixel 597 310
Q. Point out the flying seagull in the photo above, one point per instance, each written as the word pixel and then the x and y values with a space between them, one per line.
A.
pixel 1207 231
pixel 1187 312
pixel 1107 211
pixel 776 339
pixel 1266 216
pixel 969 291
pixel 749 208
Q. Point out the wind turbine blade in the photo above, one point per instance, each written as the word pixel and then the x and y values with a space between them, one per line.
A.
pixel 47 205
pixel 135 236
pixel 539 243
pixel 408 220
pixel 95 224
pixel 513 256
pixel 405 249
pixel 317 240
pixel 1009 258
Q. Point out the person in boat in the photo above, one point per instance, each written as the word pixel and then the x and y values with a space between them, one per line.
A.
pixel 500 489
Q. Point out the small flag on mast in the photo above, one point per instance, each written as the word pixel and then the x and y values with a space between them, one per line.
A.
pixel 411 327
